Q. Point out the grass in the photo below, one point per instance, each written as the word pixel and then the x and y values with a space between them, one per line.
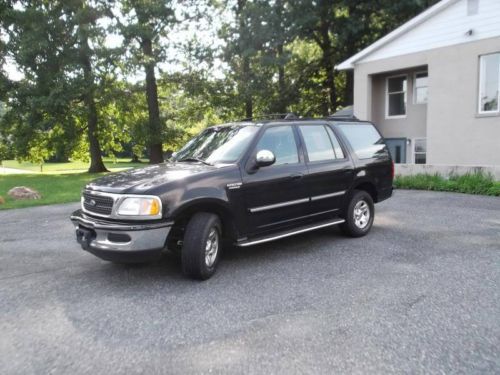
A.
pixel 65 188
pixel 62 188
pixel 70 167
pixel 473 183
pixel 59 182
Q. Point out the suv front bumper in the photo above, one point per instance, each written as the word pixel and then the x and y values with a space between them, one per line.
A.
pixel 119 241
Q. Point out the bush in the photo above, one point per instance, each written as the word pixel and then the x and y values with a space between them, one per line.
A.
pixel 470 183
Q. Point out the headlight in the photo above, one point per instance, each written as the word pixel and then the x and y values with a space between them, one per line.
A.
pixel 139 206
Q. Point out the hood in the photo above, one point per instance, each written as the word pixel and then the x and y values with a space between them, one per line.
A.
pixel 142 179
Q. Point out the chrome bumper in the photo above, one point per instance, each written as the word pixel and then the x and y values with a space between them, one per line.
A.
pixel 105 238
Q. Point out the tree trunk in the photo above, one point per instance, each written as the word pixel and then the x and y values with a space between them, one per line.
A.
pixel 135 159
pixel 329 83
pixel 327 59
pixel 282 94
pixel 155 139
pixel 245 85
pixel 96 163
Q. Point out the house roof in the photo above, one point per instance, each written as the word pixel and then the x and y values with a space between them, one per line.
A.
pixel 404 28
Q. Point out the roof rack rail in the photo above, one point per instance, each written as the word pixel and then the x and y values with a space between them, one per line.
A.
pixel 343 117
pixel 272 116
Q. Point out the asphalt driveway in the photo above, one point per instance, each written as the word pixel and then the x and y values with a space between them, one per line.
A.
pixel 419 294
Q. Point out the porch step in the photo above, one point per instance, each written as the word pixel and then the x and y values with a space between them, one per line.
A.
pixel 290 232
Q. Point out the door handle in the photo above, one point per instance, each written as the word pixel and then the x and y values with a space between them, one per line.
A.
pixel 296 176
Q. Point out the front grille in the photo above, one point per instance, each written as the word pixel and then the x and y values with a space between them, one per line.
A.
pixel 98 204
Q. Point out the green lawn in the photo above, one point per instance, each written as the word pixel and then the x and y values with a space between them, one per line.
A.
pixel 62 188
pixel 71 167
pixel 476 183
pixel 59 182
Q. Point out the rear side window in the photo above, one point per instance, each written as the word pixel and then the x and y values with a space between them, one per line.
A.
pixel 336 145
pixel 364 139
pixel 320 144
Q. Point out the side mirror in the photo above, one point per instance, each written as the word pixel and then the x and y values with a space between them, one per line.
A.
pixel 264 158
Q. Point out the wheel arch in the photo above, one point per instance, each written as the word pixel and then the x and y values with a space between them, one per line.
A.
pixel 215 206
pixel 368 186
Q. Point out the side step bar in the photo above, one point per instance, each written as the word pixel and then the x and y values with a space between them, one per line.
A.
pixel 292 232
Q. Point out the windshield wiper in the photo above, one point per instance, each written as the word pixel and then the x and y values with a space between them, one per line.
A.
pixel 194 159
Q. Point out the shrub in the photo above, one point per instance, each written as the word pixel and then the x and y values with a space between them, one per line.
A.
pixel 470 183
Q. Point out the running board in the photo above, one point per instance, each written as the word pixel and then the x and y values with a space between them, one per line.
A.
pixel 292 232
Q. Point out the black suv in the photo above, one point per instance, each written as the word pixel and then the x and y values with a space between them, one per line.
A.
pixel 247 182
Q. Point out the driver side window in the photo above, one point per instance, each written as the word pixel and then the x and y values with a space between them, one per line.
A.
pixel 280 140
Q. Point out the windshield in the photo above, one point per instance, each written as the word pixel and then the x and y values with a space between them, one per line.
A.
pixel 218 144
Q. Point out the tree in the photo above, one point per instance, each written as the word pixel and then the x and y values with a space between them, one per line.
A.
pixel 86 18
pixel 50 44
pixel 146 24
pixel 4 151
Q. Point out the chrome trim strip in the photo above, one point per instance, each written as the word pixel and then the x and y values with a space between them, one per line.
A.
pixel 278 205
pixel 325 196
pixel 269 239
pixel 123 227
pixel 117 200
pixel 297 201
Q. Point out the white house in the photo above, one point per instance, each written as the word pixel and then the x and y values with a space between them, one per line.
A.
pixel 432 86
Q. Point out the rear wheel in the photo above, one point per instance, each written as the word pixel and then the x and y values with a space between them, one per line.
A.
pixel 201 246
pixel 359 214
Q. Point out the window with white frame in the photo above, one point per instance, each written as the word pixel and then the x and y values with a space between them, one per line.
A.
pixel 396 96
pixel 489 83
pixel 420 151
pixel 420 88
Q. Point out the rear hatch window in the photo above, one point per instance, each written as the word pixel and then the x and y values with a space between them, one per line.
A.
pixel 365 140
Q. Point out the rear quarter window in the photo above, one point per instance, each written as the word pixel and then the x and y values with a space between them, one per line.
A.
pixel 365 140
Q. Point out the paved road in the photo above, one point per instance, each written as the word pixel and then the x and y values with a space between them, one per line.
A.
pixel 420 294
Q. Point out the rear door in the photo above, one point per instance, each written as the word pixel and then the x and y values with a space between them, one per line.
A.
pixel 330 171
pixel 276 196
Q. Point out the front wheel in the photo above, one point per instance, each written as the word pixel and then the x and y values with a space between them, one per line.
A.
pixel 359 214
pixel 202 245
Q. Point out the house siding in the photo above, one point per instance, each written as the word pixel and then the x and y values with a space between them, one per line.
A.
pixel 448 27
pixel 455 133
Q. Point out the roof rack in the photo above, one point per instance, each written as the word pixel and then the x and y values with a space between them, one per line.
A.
pixel 273 116
pixel 343 118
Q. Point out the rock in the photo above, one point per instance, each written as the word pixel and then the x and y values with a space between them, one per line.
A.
pixel 2 201
pixel 23 192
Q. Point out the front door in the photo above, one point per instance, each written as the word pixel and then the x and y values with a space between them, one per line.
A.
pixel 330 170
pixel 276 196
pixel 397 148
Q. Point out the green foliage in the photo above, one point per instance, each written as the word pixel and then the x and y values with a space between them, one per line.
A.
pixel 38 152
pixel 4 152
pixel 471 183
pixel 264 57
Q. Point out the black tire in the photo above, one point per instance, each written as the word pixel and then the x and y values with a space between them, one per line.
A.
pixel 194 255
pixel 356 226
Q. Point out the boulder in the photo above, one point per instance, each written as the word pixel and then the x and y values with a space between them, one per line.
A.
pixel 23 192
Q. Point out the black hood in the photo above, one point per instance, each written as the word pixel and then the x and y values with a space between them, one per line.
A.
pixel 140 180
